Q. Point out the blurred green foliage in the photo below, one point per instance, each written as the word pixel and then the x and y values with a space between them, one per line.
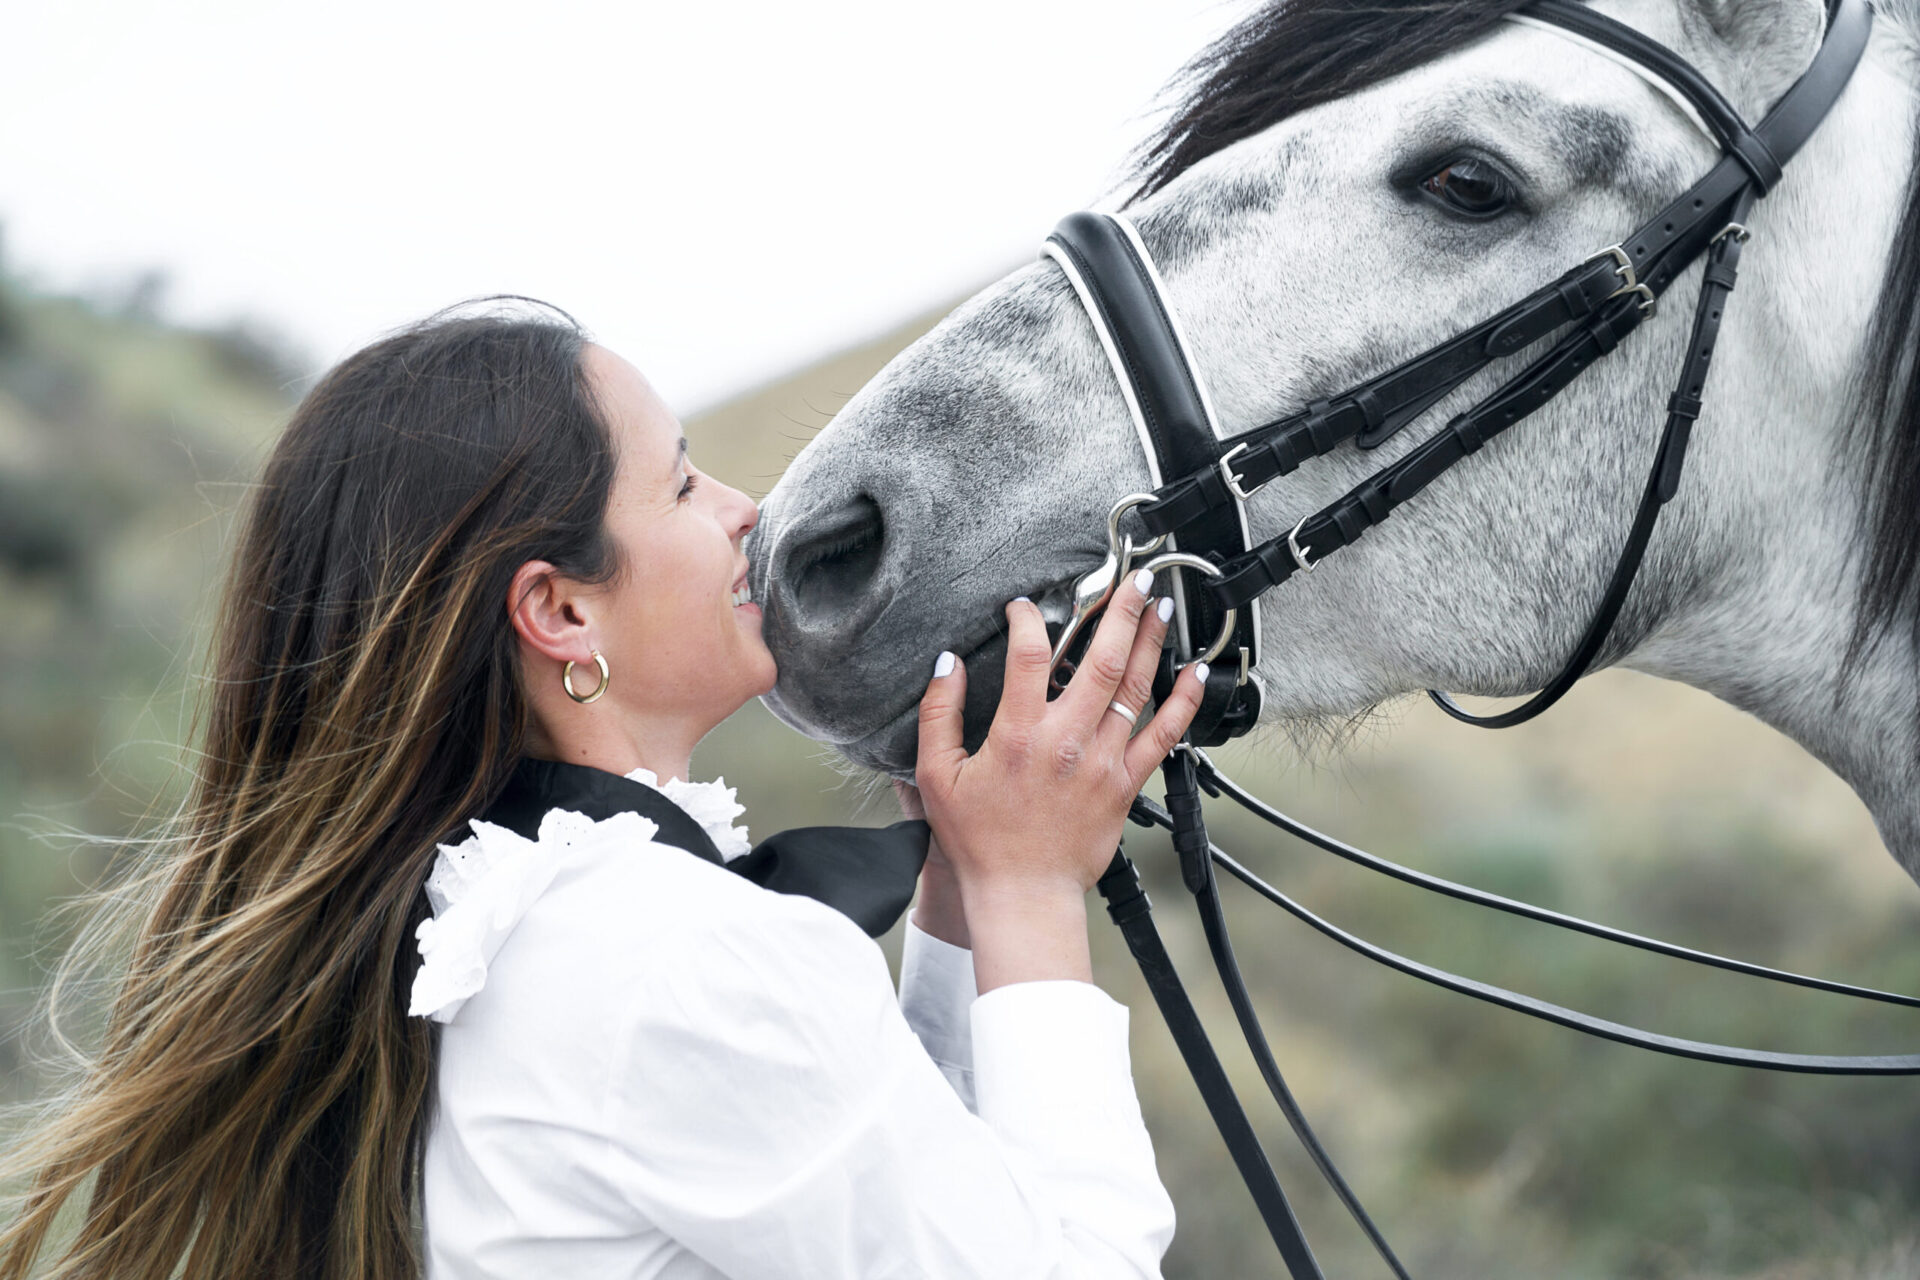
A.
pixel 124 444
pixel 1487 1145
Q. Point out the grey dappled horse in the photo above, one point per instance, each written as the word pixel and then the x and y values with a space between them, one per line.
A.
pixel 1315 251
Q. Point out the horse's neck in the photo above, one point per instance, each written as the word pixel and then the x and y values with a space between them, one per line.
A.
pixel 1774 642
pixel 1766 559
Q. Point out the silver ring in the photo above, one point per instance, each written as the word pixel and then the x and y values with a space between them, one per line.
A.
pixel 1131 717
pixel 1181 560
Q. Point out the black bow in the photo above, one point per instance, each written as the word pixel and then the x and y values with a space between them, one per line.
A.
pixel 866 873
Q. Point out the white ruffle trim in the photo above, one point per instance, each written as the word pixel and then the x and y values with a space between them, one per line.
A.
pixel 711 804
pixel 482 887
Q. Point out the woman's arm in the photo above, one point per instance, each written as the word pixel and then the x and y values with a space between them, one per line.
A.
pixel 774 1114
pixel 937 909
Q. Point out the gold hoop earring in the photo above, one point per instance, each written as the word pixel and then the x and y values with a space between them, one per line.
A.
pixel 566 678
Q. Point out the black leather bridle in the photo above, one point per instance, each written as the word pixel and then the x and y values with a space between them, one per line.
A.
pixel 1202 482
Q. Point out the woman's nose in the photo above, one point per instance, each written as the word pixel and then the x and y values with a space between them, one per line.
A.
pixel 745 514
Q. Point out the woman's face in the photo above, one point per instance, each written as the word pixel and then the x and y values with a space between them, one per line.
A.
pixel 679 646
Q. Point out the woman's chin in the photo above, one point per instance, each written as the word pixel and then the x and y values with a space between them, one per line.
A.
pixel 766 673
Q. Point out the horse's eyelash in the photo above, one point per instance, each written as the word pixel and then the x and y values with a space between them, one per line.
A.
pixel 1408 177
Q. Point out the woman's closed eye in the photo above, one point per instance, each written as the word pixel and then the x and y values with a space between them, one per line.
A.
pixel 686 489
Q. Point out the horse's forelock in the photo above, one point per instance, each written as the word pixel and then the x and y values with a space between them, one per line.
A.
pixel 1297 54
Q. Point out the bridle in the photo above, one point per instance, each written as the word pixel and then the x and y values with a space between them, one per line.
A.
pixel 1194 522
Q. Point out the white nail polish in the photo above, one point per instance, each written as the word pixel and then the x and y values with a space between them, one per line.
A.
pixel 1023 599
pixel 1143 581
pixel 1164 608
pixel 943 665
pixel 1200 672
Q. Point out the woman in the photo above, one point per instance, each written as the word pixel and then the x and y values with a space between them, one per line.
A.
pixel 480 578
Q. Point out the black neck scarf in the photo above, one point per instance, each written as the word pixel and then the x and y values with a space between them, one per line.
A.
pixel 866 873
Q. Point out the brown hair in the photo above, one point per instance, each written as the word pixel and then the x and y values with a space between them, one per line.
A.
pixel 258 1105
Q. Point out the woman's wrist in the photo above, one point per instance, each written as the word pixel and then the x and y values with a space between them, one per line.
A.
pixel 939 910
pixel 1027 930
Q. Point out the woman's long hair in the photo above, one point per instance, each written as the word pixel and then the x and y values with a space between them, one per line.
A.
pixel 258 1105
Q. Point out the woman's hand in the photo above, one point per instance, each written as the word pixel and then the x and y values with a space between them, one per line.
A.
pixel 1030 821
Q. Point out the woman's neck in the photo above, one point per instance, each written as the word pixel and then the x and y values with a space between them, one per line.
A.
pixel 607 747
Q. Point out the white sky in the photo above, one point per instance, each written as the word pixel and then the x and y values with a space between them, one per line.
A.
pixel 722 192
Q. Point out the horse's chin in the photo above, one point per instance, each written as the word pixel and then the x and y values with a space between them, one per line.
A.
pixel 878 728
pixel 892 747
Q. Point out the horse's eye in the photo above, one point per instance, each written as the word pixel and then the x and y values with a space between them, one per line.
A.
pixel 1470 187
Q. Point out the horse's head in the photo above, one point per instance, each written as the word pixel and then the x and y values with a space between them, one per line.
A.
pixel 1358 219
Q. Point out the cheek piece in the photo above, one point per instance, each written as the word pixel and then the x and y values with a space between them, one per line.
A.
pixel 1194 526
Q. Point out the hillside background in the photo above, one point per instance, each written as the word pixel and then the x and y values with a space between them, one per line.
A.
pixel 1488 1146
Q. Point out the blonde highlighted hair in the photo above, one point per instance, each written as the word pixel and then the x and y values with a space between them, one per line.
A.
pixel 258 1102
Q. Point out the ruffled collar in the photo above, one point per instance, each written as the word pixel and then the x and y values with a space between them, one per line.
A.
pixel 481 887
pixel 711 804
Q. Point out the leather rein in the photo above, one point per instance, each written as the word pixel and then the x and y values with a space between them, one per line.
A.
pixel 1195 522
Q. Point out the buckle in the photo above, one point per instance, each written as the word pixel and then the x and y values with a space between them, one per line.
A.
pixel 1735 229
pixel 1647 300
pixel 1232 477
pixel 1622 265
pixel 1293 545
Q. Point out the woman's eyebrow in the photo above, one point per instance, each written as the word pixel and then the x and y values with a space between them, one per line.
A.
pixel 679 456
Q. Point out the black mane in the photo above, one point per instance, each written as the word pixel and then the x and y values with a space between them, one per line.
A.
pixel 1296 54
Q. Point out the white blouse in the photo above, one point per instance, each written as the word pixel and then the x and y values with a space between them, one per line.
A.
pixel 651 1067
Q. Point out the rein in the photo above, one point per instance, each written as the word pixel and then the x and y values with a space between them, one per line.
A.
pixel 1195 521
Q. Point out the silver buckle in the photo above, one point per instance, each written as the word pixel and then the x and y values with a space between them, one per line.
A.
pixel 1737 230
pixel 1647 300
pixel 1293 545
pixel 1622 266
pixel 1233 478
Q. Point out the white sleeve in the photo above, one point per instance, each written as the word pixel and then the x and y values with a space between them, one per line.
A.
pixel 773 1112
pixel 936 993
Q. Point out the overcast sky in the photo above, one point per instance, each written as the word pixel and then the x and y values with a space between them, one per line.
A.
pixel 722 192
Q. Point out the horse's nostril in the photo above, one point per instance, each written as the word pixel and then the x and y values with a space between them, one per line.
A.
pixel 834 568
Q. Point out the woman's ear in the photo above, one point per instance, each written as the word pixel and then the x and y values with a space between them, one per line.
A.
pixel 546 609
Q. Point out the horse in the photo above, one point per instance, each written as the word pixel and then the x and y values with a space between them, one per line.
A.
pixel 1340 188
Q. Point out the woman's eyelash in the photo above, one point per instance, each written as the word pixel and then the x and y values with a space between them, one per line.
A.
pixel 687 488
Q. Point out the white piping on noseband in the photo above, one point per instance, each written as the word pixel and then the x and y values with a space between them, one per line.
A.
pixel 1173 318
pixel 1092 311
pixel 1206 404
pixel 1120 375
pixel 1666 90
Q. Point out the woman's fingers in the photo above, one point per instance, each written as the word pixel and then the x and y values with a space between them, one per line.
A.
pixel 941 748
pixel 1150 746
pixel 1097 678
pixel 1023 699
pixel 1136 687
